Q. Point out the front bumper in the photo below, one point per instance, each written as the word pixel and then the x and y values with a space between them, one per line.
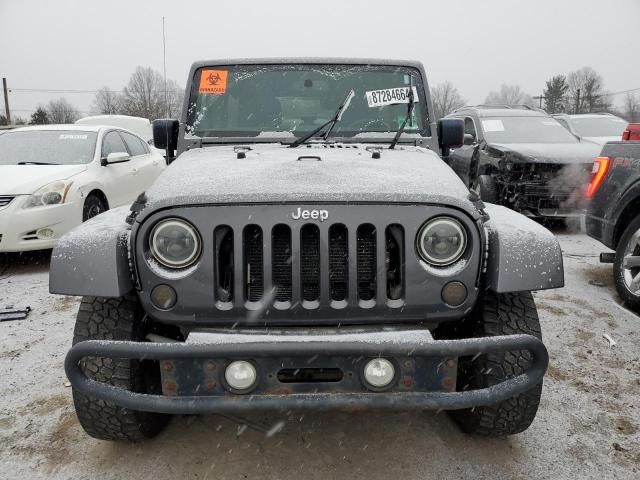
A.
pixel 19 227
pixel 400 346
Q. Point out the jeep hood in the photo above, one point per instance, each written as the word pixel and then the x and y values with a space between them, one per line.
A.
pixel 26 179
pixel 310 173
pixel 579 152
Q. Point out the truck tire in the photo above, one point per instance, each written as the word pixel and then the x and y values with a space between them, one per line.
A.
pixel 624 275
pixel 487 188
pixel 500 314
pixel 115 319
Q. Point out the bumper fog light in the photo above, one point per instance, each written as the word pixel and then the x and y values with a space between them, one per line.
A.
pixel 379 372
pixel 163 297
pixel 454 294
pixel 240 375
pixel 45 233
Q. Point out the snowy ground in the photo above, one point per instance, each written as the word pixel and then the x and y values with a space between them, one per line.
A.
pixel 587 427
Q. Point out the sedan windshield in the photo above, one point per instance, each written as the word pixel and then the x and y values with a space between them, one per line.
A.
pixel 293 100
pixel 604 126
pixel 38 147
pixel 525 130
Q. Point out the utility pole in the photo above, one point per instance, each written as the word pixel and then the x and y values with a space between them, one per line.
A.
pixel 6 100
pixel 578 102
pixel 539 98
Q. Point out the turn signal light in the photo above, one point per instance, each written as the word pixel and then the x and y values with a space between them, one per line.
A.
pixel 600 169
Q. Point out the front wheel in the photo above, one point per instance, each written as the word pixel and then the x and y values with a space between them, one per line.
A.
pixel 500 314
pixel 487 188
pixel 116 319
pixel 92 207
pixel 626 268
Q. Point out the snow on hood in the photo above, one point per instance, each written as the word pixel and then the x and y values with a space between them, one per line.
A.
pixel 579 152
pixel 26 179
pixel 277 174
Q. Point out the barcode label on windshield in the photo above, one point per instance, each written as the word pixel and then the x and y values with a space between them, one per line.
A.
pixel 390 96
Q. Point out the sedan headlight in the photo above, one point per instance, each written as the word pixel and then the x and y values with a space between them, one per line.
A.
pixel 175 243
pixel 442 241
pixel 54 193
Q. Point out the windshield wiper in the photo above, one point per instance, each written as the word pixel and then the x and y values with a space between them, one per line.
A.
pixel 36 163
pixel 335 119
pixel 406 119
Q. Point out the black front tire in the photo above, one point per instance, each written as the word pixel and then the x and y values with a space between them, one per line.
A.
pixel 116 319
pixel 487 188
pixel 632 299
pixel 93 206
pixel 500 314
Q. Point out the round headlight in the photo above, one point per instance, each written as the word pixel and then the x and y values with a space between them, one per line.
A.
pixel 175 243
pixel 442 241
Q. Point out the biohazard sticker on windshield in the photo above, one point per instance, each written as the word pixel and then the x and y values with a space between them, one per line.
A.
pixel 213 82
pixel 390 96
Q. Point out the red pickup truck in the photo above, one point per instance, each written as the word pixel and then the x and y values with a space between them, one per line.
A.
pixel 632 132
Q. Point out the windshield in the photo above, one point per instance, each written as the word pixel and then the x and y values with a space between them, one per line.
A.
pixel 599 126
pixel 63 147
pixel 294 100
pixel 525 130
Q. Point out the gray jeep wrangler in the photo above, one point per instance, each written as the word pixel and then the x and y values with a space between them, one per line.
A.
pixel 307 248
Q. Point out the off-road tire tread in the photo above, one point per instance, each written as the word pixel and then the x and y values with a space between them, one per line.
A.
pixel 631 300
pixel 113 319
pixel 501 314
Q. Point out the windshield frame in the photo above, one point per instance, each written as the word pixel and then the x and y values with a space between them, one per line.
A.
pixel 414 68
pixel 92 134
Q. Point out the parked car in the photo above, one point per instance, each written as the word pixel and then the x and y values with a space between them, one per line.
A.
pixel 599 128
pixel 613 217
pixel 308 248
pixel 522 158
pixel 54 177
pixel 632 132
pixel 138 125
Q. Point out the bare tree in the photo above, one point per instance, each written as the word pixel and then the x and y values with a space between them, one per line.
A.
pixel 586 91
pixel 509 95
pixel 446 99
pixel 144 95
pixel 107 102
pixel 632 107
pixel 61 111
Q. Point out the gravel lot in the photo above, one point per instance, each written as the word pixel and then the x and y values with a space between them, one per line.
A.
pixel 587 427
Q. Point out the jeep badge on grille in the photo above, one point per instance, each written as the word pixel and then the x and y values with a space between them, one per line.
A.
pixel 321 215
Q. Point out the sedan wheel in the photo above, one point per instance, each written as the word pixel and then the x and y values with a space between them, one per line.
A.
pixel 92 206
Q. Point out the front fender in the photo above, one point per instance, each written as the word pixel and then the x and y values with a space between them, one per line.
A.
pixel 522 254
pixel 92 259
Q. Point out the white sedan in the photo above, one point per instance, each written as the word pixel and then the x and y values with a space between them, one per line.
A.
pixel 54 177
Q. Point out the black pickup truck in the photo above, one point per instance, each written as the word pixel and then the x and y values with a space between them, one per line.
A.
pixel 613 217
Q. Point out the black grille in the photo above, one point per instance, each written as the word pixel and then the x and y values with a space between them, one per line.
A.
pixel 254 270
pixel 5 200
pixel 362 263
pixel 367 267
pixel 310 262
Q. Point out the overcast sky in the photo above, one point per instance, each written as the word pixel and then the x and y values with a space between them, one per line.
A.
pixel 478 45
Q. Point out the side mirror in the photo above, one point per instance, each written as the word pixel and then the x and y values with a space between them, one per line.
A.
pixel 165 134
pixel 450 134
pixel 469 139
pixel 115 157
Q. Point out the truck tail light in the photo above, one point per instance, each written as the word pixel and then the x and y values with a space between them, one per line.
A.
pixel 600 169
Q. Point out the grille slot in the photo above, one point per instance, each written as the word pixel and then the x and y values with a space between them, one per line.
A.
pixel 338 262
pixel 223 238
pixel 5 200
pixel 253 263
pixel 281 262
pixel 310 262
pixel 367 269
pixel 394 261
